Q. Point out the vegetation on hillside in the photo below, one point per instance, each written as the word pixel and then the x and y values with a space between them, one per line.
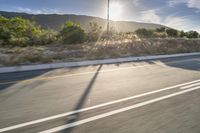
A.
pixel 164 32
pixel 54 21
pixel 23 32
pixel 72 33
pixel 24 42
pixel 94 32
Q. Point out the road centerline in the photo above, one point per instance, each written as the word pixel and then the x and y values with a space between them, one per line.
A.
pixel 111 113
pixel 93 107
pixel 189 86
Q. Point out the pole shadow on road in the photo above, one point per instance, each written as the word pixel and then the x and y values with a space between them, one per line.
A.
pixel 82 100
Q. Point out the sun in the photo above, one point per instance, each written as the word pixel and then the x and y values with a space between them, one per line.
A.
pixel 115 10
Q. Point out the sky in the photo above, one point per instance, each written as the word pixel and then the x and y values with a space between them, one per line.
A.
pixel 179 14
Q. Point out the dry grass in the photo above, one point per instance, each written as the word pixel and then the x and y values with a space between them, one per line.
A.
pixel 98 50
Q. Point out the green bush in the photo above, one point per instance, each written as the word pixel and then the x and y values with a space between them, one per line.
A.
pixel 182 34
pixel 192 34
pixel 144 33
pixel 4 30
pixel 22 32
pixel 162 29
pixel 72 33
pixel 172 32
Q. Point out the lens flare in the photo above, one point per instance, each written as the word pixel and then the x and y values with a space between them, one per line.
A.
pixel 115 11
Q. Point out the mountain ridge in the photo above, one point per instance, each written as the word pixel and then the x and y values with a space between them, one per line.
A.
pixel 55 21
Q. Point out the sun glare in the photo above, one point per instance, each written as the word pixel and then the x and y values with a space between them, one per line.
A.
pixel 115 11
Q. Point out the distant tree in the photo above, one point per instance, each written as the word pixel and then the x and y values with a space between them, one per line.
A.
pixel 182 34
pixel 161 29
pixel 192 34
pixel 172 32
pixel 72 33
pixel 144 33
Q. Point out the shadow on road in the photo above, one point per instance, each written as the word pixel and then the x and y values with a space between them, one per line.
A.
pixel 9 79
pixel 186 63
pixel 82 100
pixel 12 79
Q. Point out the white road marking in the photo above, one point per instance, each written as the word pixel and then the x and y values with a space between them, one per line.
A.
pixel 92 107
pixel 189 86
pixel 71 75
pixel 92 72
pixel 117 111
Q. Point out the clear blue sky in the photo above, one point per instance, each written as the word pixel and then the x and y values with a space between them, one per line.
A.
pixel 180 14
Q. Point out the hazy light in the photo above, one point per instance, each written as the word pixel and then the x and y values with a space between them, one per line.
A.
pixel 115 10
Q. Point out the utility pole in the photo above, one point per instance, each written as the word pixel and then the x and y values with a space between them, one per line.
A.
pixel 108 18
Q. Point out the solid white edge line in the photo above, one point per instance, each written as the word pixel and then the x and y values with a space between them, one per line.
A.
pixel 94 62
pixel 76 74
pixel 89 72
pixel 86 73
pixel 189 86
pixel 117 111
pixel 92 107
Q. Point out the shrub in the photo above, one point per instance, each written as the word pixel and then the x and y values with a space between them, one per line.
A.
pixel 172 32
pixel 144 33
pixel 48 37
pixel 192 34
pixel 22 32
pixel 72 33
pixel 162 29
pixel 160 34
pixel 4 30
pixel 182 34
pixel 94 32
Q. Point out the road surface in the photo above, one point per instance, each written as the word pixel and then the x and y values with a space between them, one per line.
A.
pixel 157 96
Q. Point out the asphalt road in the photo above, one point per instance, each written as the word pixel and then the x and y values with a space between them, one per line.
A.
pixel 157 96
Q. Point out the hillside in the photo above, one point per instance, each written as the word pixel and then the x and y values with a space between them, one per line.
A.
pixel 54 21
